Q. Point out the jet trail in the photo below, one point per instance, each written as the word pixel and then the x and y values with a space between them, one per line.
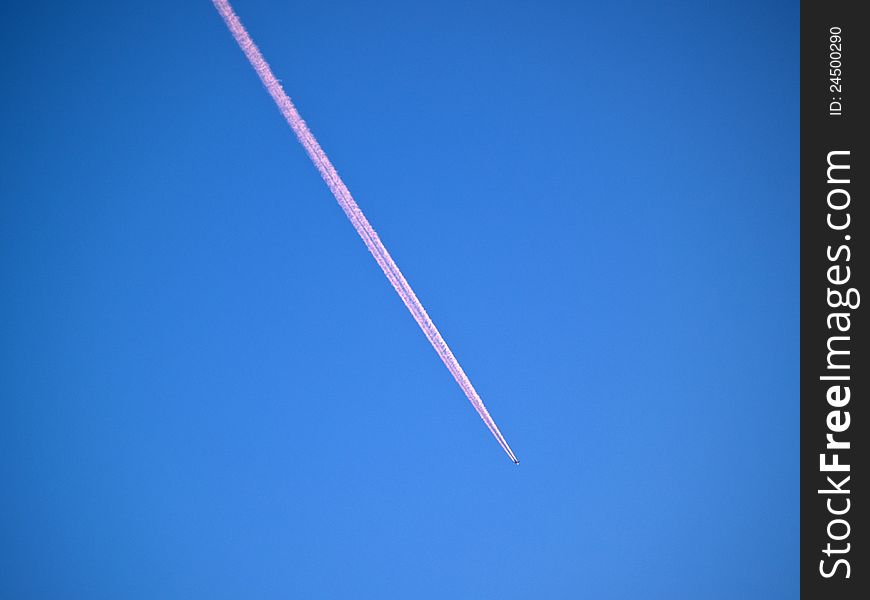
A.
pixel 357 219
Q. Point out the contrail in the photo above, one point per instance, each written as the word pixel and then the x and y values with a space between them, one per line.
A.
pixel 353 212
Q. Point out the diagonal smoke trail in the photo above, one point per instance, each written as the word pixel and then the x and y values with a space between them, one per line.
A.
pixel 353 212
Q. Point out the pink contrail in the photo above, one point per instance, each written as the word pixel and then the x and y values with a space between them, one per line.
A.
pixel 353 212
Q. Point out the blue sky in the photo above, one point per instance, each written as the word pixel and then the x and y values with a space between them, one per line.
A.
pixel 210 390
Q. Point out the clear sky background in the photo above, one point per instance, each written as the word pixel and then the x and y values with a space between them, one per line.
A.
pixel 209 389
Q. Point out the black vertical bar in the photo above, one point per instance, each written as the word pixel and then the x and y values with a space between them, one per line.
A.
pixel 834 265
